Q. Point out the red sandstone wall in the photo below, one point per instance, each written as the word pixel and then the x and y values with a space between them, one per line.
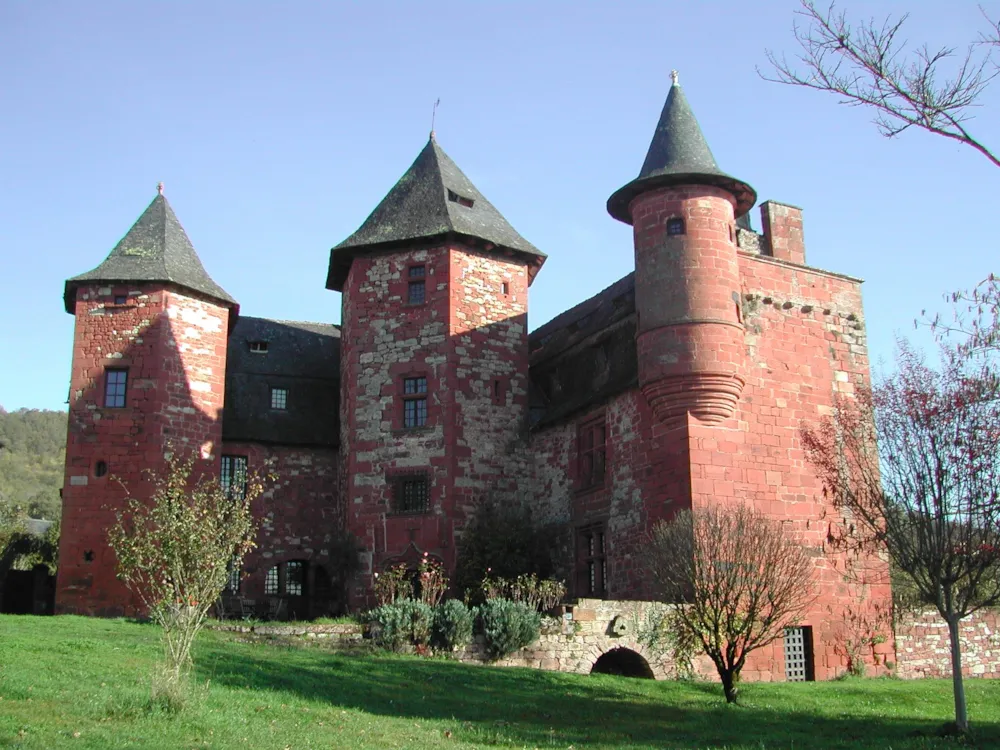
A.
pixel 923 648
pixel 464 336
pixel 174 347
pixel 805 344
pixel 299 514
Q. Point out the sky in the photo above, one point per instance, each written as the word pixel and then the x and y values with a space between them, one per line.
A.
pixel 277 128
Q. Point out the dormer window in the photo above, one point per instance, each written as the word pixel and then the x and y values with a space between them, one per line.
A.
pixel 460 199
pixel 675 226
pixel 258 347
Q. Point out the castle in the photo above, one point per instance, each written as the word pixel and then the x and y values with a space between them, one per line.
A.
pixel 681 385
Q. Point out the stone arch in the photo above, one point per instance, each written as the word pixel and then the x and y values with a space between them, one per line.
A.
pixel 623 662
pixel 657 664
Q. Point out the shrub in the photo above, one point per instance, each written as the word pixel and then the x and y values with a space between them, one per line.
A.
pixel 393 585
pixel 508 626
pixel 526 589
pixel 404 621
pixel 452 624
pixel 433 581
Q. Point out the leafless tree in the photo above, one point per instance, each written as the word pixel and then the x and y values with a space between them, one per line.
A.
pixel 734 581
pixel 868 65
pixel 914 465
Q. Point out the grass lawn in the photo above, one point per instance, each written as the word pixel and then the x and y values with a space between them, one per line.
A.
pixel 83 683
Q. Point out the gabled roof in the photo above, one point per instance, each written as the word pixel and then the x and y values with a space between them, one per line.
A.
pixel 156 248
pixel 433 199
pixel 678 155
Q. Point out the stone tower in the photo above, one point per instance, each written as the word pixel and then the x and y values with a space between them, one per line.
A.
pixel 683 211
pixel 148 374
pixel 434 362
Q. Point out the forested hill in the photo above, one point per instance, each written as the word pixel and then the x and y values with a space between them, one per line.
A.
pixel 32 454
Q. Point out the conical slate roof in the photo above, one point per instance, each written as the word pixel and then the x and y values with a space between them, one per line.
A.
pixel 156 248
pixel 433 199
pixel 678 155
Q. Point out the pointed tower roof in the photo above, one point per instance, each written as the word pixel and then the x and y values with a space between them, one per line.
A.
pixel 433 199
pixel 156 248
pixel 678 155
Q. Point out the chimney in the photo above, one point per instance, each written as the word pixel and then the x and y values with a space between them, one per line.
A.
pixel 783 229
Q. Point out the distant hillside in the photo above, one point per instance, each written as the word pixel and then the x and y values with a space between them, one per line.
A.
pixel 32 454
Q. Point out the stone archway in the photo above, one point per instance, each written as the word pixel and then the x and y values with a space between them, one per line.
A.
pixel 623 662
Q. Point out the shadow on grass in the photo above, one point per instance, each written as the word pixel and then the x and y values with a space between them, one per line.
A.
pixel 534 708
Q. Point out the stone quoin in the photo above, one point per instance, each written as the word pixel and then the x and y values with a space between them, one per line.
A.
pixel 682 385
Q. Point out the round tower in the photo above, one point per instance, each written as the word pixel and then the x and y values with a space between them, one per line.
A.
pixel 683 212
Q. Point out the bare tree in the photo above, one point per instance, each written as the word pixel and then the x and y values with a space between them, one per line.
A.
pixel 914 465
pixel 734 581
pixel 868 65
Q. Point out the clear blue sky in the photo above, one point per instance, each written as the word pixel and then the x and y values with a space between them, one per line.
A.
pixel 278 127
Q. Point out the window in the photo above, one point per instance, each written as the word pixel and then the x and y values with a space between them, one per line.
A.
pixel 258 347
pixel 414 402
pixel 505 287
pixel 233 476
pixel 114 388
pixel 799 654
pixel 295 577
pixel 286 579
pixel 591 570
pixel 271 581
pixel 460 199
pixel 411 494
pixel 279 398
pixel 675 227
pixel 592 439
pixel 120 299
pixel 498 392
pixel 416 293
pixel 233 580
pixel 100 468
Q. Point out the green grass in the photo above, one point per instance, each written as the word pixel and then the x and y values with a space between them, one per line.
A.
pixel 84 683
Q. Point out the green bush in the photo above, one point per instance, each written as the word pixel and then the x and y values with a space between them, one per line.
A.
pixel 508 626
pixel 452 624
pixel 405 621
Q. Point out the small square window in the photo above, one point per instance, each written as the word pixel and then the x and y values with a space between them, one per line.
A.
pixel 120 299
pixel 411 495
pixel 416 291
pixel 279 398
pixel 258 347
pixel 115 384
pixel 675 226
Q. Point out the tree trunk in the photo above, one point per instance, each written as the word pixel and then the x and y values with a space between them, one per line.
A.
pixel 729 685
pixel 961 718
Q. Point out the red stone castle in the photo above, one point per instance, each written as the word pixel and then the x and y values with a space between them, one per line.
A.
pixel 681 385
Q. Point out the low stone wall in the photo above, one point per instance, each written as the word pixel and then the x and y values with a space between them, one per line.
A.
pixel 924 650
pixel 345 633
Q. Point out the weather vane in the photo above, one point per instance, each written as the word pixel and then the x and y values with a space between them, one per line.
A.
pixel 159 188
pixel 434 110
pixel 674 77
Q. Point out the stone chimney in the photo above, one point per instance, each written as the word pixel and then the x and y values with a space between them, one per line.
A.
pixel 783 229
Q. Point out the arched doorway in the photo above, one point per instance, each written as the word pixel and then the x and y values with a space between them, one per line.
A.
pixel 623 662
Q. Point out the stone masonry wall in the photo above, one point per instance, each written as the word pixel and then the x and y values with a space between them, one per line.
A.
pixel 805 346
pixel 173 347
pixel 469 339
pixel 300 514
pixel 923 648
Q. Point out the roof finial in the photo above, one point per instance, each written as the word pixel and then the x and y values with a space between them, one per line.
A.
pixel 434 110
pixel 159 188
pixel 674 78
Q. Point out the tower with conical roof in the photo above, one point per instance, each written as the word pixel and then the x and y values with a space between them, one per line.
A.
pixel 683 212
pixel 148 376
pixel 434 362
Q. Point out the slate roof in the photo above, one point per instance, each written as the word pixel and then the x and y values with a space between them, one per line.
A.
pixel 156 248
pixel 425 205
pixel 301 357
pixel 584 355
pixel 678 154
